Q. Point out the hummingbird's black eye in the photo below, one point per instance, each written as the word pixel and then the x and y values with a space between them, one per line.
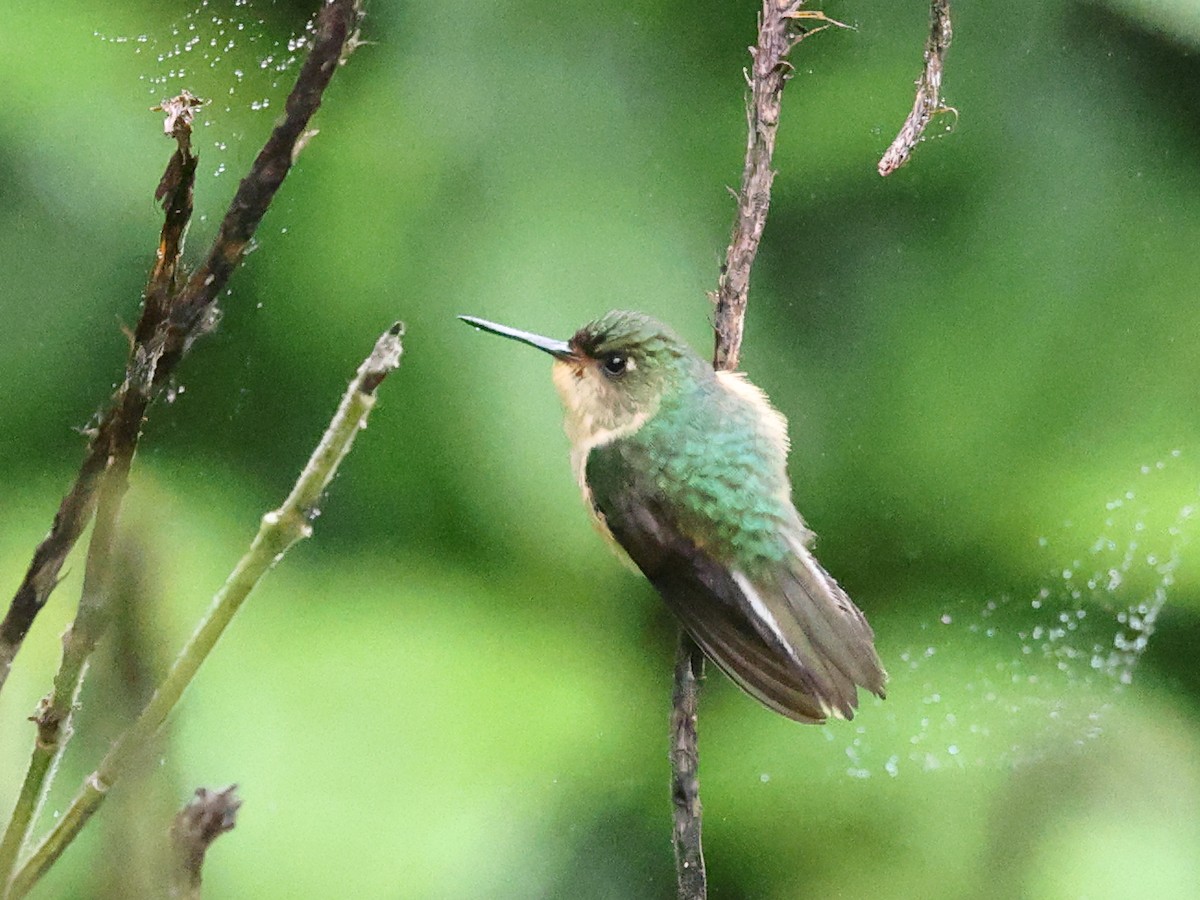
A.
pixel 614 364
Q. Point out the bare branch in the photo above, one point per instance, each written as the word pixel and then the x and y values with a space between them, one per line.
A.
pixel 98 490
pixel 928 102
pixel 207 816
pixel 778 33
pixel 171 319
pixel 175 193
pixel 280 530
pixel 685 764
pixel 336 29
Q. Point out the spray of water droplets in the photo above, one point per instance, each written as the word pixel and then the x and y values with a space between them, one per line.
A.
pixel 222 51
pixel 1002 681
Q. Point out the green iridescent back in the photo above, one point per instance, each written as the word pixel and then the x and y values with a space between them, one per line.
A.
pixel 725 478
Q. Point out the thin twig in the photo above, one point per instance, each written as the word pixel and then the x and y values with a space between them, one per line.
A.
pixel 114 439
pixel 685 762
pixel 280 529
pixel 172 319
pixel 132 662
pixel 335 36
pixel 778 33
pixel 928 101
pixel 101 490
pixel 207 816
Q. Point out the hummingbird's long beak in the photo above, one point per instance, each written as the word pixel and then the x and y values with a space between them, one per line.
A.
pixel 557 349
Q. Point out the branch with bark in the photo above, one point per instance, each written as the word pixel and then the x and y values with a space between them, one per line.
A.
pixel 779 31
pixel 780 28
pixel 685 779
pixel 207 816
pixel 928 101
pixel 175 312
pixel 279 531
pixel 173 317
pixel 110 456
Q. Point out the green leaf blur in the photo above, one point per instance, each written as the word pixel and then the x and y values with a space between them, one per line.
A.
pixel 988 360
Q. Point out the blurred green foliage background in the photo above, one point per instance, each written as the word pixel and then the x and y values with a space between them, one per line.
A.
pixel 989 361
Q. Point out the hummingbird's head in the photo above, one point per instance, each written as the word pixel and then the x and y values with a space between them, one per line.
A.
pixel 613 373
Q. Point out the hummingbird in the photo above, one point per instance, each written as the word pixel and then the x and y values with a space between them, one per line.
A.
pixel 684 470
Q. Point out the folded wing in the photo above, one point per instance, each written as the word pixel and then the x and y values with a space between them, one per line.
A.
pixel 789 635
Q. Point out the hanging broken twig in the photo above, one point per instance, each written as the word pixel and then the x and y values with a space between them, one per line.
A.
pixel 928 102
